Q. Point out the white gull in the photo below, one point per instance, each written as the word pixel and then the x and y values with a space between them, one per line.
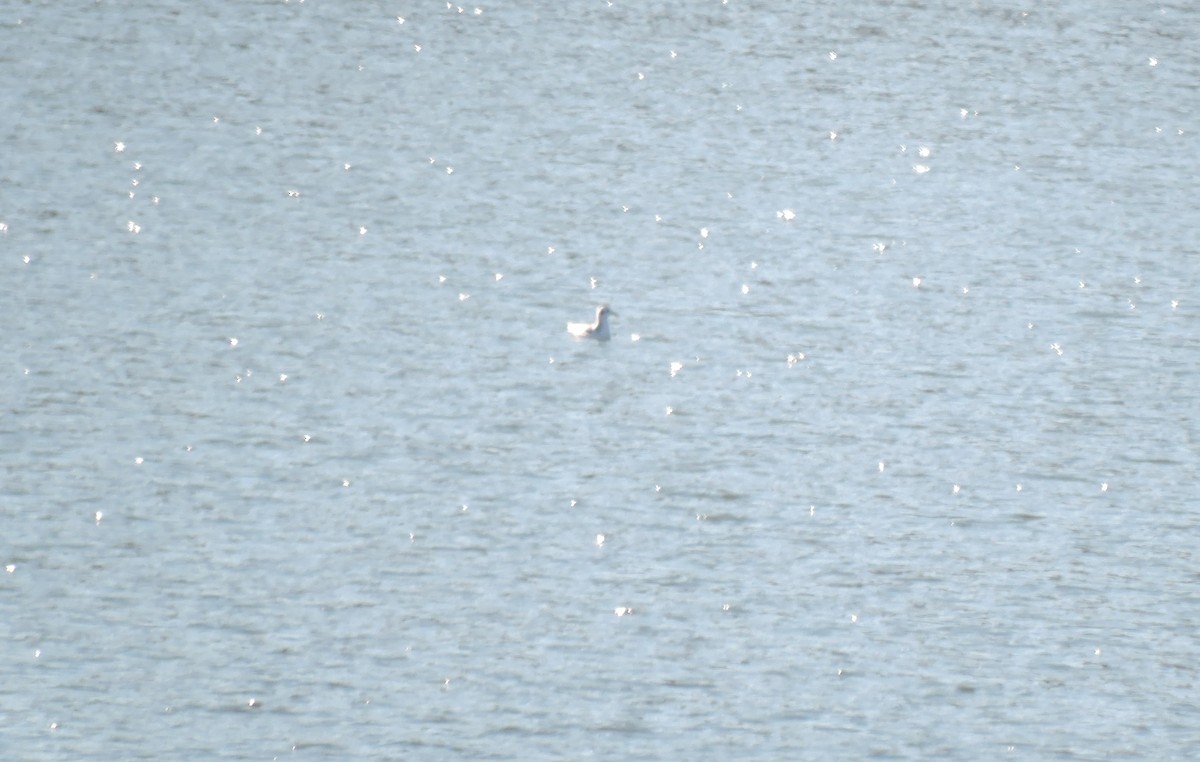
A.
pixel 597 329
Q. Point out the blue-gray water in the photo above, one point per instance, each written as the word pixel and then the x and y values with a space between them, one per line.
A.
pixel 950 517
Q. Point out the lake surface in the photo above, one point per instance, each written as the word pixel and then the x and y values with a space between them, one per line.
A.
pixel 893 453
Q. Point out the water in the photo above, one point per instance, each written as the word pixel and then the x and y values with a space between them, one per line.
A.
pixel 863 518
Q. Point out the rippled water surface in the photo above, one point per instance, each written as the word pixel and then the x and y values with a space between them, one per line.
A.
pixel 893 452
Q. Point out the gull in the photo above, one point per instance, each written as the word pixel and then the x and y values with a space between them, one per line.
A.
pixel 597 329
